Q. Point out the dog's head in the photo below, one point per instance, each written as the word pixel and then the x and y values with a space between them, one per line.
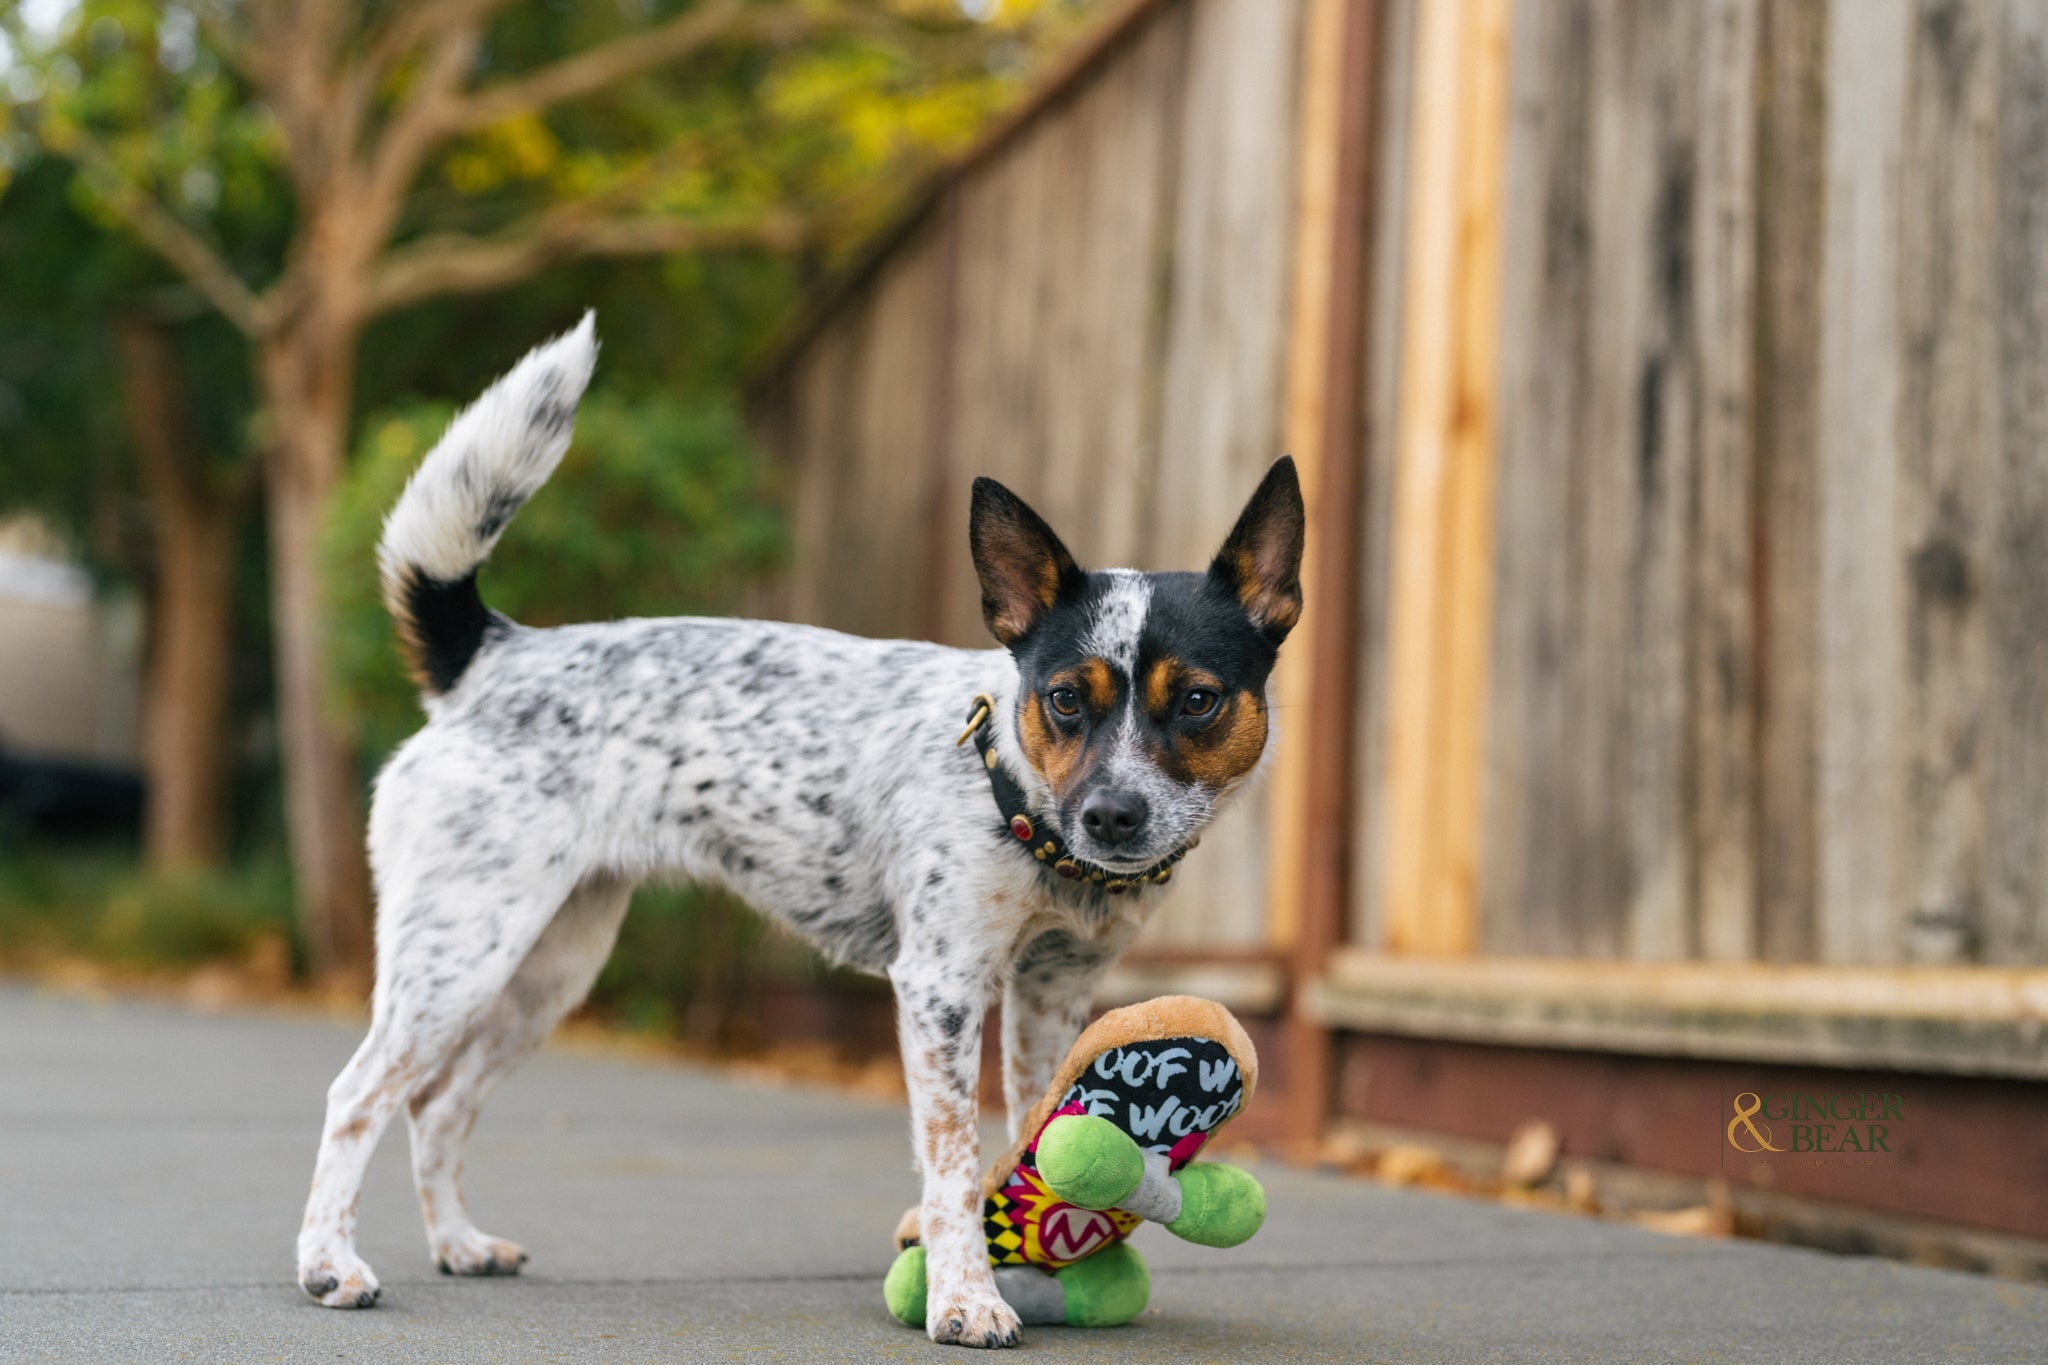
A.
pixel 1142 696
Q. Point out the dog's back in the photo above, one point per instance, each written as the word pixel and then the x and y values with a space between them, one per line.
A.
pixel 809 771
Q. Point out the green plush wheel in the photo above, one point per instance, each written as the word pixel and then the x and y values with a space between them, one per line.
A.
pixel 1221 1206
pixel 1089 1162
pixel 904 1288
pixel 1108 1289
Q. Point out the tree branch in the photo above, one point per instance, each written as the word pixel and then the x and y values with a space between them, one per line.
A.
pixel 422 23
pixel 161 231
pixel 664 44
pixel 229 38
pixel 416 128
pixel 590 71
pixel 455 264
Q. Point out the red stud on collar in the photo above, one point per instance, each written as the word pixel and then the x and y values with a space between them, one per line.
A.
pixel 1020 825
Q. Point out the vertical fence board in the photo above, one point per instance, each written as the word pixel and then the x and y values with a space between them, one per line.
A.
pixel 817 463
pixel 1395 74
pixel 1791 171
pixel 1947 344
pixel 878 512
pixel 1720 619
pixel 1440 572
pixel 1861 649
pixel 2015 914
pixel 1648 410
pixel 1536 820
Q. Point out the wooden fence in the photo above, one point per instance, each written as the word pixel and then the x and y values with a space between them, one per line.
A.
pixel 1768 674
pixel 1696 449
pixel 1092 310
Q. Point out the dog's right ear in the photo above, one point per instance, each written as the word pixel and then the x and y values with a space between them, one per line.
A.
pixel 1024 570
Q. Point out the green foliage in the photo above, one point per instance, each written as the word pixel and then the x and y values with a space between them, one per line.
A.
pixel 660 509
pixel 102 906
pixel 171 115
pixel 55 360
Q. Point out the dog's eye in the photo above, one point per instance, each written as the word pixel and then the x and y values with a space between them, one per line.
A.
pixel 1066 701
pixel 1199 701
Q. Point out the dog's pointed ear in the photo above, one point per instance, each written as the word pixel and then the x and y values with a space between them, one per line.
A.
pixel 1260 565
pixel 1024 570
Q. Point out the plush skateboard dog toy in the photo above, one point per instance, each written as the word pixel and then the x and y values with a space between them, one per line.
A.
pixel 1111 1144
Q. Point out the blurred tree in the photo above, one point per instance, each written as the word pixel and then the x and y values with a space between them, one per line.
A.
pixel 199 510
pixel 291 141
pixel 68 448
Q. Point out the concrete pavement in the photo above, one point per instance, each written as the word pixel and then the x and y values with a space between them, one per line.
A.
pixel 152 1164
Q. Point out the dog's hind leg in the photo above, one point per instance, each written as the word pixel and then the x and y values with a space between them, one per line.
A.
pixel 448 947
pixel 552 980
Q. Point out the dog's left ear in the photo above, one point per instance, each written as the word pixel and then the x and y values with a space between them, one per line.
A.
pixel 1024 570
pixel 1260 565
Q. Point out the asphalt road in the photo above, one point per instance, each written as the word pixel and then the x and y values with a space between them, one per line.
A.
pixel 152 1164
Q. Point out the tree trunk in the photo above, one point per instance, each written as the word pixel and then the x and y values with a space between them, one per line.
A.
pixel 305 370
pixel 196 519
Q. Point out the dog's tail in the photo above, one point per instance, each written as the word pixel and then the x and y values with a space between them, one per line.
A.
pixel 495 454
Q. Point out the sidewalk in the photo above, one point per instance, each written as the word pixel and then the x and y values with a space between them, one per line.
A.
pixel 152 1165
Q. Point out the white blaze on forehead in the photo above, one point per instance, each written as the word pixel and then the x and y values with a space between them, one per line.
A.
pixel 1119 617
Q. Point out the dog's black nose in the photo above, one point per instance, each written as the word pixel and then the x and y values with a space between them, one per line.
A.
pixel 1113 817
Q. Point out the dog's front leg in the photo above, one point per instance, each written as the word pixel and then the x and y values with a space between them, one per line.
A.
pixel 939 1006
pixel 1045 1006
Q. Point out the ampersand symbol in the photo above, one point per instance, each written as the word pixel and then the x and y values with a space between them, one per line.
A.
pixel 1746 1118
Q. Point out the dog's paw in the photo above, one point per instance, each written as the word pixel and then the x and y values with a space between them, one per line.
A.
pixel 474 1253
pixel 972 1319
pixel 342 1280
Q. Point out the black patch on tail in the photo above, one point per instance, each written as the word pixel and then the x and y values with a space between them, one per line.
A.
pixel 446 624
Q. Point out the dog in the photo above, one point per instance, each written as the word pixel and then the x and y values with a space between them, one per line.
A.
pixel 823 778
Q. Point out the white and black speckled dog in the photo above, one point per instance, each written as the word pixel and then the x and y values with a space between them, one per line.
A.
pixel 816 775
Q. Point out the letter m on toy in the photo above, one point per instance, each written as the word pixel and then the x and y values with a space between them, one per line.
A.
pixel 1069 1233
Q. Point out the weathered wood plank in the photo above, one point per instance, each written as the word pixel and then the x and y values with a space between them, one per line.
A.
pixel 1720 619
pixel 2013 925
pixel 1313 310
pixel 1474 417
pixel 1442 574
pixel 1394 73
pixel 1792 178
pixel 1862 651
pixel 878 521
pixel 819 396
pixel 1536 860
pixel 1956 1019
pixel 1621 801
pixel 1647 410
pixel 1946 408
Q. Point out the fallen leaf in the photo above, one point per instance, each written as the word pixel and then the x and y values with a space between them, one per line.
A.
pixel 1409 1163
pixel 1531 1155
pixel 1703 1220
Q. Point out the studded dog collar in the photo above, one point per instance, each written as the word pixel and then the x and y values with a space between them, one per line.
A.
pixel 1043 842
